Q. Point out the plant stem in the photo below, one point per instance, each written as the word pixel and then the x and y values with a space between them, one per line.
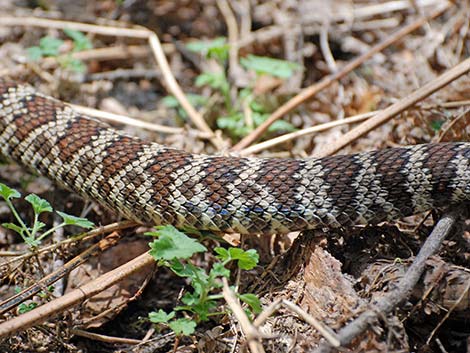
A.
pixel 18 218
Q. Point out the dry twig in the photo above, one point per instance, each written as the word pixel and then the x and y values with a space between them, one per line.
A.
pixel 307 131
pixel 404 288
pixel 54 307
pixel 122 119
pixel 251 332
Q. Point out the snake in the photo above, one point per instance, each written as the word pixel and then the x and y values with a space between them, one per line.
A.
pixel 154 184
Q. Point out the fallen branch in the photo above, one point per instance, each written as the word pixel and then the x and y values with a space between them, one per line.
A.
pixel 54 307
pixel 404 288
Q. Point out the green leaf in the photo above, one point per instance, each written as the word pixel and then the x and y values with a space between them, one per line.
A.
pixel 33 243
pixel 170 102
pixel 217 48
pixel 253 301
pixel 13 227
pixel 173 244
pixel 182 326
pixel 80 41
pixel 219 270
pixel 39 204
pixel 257 107
pixel 278 125
pixel 196 100
pixel 436 125
pixel 50 46
pixel 274 67
pixel 70 63
pixel 34 53
pixel 235 124
pixel 199 278
pixel 246 260
pixel 203 46
pixel 203 308
pixel 39 225
pixel 282 125
pixel 24 308
pixel 215 80
pixel 70 220
pixel 189 299
pixel 160 316
pixel 223 253
pixel 8 193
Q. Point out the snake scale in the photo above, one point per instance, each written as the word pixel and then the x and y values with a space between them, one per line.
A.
pixel 155 184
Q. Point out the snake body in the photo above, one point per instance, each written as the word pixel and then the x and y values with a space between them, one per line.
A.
pixel 155 184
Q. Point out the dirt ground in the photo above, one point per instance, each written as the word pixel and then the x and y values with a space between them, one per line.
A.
pixel 340 61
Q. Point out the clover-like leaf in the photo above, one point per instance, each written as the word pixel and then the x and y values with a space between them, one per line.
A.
pixel 183 326
pixel 39 204
pixel 161 316
pixel 8 193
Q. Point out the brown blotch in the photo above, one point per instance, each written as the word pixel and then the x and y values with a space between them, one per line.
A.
pixel 443 172
pixel 390 167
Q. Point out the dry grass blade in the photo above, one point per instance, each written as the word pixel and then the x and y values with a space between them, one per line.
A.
pixel 122 119
pixel 308 131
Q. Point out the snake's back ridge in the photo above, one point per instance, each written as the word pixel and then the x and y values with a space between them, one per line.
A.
pixel 155 184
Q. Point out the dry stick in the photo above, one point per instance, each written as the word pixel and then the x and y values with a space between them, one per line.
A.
pixel 396 108
pixel 196 118
pixel 232 29
pixel 122 119
pixel 251 333
pixel 27 293
pixel 104 338
pixel 46 311
pixel 312 90
pixel 317 128
pixel 143 33
pixel 119 52
pixel 325 331
pixel 404 288
pixel 307 131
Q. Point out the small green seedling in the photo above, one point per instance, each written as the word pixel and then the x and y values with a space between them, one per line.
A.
pixel 30 305
pixel 34 235
pixel 50 47
pixel 172 249
pixel 242 111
